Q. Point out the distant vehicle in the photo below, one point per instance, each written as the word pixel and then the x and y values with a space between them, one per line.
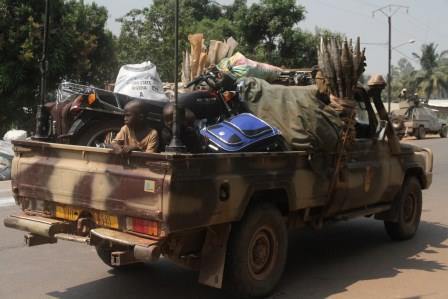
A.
pixel 415 119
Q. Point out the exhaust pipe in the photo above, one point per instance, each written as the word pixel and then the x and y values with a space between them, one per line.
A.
pixel 137 255
pixel 147 254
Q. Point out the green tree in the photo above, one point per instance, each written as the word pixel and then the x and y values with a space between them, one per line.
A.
pixel 432 79
pixel 80 49
pixel 267 31
pixel 404 76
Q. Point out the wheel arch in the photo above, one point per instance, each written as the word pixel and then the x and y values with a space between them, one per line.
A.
pixel 279 196
pixel 418 173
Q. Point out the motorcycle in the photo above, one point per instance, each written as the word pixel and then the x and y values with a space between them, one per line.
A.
pixel 90 116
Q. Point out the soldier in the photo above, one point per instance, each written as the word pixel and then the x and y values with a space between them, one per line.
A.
pixel 135 135
pixel 403 95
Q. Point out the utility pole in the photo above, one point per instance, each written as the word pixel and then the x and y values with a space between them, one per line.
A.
pixel 389 11
pixel 41 115
pixel 176 145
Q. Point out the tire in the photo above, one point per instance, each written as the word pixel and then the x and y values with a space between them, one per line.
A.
pixel 421 133
pixel 257 253
pixel 444 131
pixel 408 207
pixel 96 132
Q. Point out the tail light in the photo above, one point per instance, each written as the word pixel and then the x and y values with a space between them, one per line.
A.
pixel 143 226
pixel 88 100
pixel 76 105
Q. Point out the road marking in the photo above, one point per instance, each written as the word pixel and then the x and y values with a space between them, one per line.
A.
pixel 7 201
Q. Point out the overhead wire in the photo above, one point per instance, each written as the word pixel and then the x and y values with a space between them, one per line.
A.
pixel 352 12
pixel 412 19
pixel 406 56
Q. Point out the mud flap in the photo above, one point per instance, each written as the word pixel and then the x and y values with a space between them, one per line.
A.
pixel 213 255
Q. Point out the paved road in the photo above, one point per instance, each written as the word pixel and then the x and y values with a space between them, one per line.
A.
pixel 5 194
pixel 346 260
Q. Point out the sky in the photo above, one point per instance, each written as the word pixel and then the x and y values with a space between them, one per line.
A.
pixel 425 22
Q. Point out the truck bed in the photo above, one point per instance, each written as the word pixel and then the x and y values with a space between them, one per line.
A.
pixel 182 191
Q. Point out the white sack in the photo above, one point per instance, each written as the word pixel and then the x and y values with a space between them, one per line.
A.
pixel 140 81
pixel 15 135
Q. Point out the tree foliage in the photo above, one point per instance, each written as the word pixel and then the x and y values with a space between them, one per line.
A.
pixel 80 49
pixel 404 76
pixel 267 31
pixel 431 80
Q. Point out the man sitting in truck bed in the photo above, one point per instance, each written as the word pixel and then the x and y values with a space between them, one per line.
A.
pixel 135 135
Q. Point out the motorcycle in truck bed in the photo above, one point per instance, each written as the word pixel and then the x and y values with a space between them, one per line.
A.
pixel 224 215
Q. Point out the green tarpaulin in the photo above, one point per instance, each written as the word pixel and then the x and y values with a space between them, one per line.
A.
pixel 306 122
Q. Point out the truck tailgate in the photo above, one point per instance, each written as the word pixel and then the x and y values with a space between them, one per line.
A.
pixel 89 177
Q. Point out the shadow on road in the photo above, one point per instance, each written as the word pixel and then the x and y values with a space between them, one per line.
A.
pixel 320 264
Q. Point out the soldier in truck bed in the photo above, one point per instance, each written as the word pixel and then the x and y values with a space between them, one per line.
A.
pixel 135 135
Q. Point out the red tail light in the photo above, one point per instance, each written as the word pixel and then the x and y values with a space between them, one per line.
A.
pixel 142 226
pixel 76 104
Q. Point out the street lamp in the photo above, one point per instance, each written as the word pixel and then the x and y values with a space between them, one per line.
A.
pixel 411 41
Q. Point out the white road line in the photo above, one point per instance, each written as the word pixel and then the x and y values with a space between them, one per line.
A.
pixel 7 201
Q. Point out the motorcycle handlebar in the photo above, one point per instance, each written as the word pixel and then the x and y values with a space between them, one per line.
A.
pixel 194 82
pixel 208 78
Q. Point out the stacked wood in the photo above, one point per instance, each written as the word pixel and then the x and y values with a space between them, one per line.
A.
pixel 200 57
pixel 341 66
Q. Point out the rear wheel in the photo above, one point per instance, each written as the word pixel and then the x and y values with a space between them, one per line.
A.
pixel 408 207
pixel 257 253
pixel 421 133
pixel 444 131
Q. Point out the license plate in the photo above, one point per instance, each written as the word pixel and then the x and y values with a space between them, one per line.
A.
pixel 101 218
pixel 106 220
pixel 67 213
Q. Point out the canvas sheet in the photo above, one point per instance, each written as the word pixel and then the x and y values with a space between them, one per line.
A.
pixel 305 122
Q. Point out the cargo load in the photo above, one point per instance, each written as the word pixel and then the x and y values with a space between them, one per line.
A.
pixel 305 121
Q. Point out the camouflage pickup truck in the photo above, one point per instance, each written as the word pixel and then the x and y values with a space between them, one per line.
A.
pixel 224 215
pixel 416 119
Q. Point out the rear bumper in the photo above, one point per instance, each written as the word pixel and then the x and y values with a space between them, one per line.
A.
pixel 47 230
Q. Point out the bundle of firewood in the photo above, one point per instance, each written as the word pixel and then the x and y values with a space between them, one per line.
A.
pixel 201 56
pixel 342 66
